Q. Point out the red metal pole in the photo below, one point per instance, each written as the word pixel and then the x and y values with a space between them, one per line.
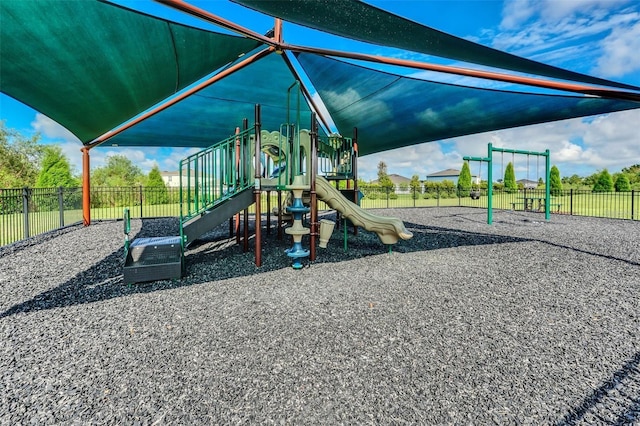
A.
pixel 214 19
pixel 86 187
pixel 256 191
pixel 103 138
pixel 489 75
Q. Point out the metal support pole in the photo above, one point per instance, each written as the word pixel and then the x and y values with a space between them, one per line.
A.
pixel 256 190
pixel 25 211
pixel 141 201
pixel 86 187
pixel 268 212
pixel 279 215
pixel 312 180
pixel 490 184
pixel 245 240
pixel 547 192
pixel 61 205
pixel 354 168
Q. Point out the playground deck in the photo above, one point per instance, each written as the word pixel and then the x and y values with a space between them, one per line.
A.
pixel 521 322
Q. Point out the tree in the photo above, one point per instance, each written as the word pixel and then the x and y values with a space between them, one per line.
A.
pixel 19 158
pixel 555 184
pixel 416 186
pixel 573 180
pixel 383 178
pixel 55 170
pixel 155 190
pixel 591 179
pixel 622 183
pixel 510 184
pixel 464 181
pixel 633 173
pixel 604 183
pixel 119 171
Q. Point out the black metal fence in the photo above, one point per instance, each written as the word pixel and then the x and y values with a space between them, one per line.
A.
pixel 31 211
pixel 614 205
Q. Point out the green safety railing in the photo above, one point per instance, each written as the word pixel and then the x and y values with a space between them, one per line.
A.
pixel 215 174
pixel 335 157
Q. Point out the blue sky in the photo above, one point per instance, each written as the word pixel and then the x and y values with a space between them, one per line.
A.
pixel 597 37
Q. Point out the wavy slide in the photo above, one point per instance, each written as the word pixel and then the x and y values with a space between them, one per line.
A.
pixel 389 229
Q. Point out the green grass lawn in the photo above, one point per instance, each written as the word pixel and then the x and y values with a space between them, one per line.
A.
pixel 610 205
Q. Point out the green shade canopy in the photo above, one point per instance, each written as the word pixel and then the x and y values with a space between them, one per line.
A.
pixel 358 20
pixel 213 113
pixel 90 66
pixel 392 111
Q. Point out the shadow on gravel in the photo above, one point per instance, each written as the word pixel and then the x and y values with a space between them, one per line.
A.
pixel 615 402
pixel 591 253
pixel 216 257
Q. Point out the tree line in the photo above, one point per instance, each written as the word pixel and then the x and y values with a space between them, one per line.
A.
pixel 24 162
pixel 624 181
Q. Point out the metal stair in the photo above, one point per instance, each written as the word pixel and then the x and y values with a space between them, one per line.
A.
pixel 215 184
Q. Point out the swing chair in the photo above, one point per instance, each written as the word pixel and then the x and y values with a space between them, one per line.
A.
pixel 475 192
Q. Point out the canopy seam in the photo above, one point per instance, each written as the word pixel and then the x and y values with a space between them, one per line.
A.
pixel 175 56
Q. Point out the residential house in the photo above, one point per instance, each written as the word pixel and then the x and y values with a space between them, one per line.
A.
pixel 451 175
pixel 401 183
pixel 527 184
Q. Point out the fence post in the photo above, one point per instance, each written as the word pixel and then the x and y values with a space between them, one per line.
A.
pixel 571 202
pixel 61 205
pixel 387 190
pixel 415 194
pixel 633 196
pixel 140 201
pixel 25 211
pixel 437 196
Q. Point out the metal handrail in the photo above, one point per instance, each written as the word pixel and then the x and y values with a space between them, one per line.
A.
pixel 215 174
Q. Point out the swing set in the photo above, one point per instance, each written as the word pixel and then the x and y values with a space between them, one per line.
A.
pixel 489 160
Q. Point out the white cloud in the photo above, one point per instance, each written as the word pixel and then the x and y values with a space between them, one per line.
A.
pixel 578 146
pixel 516 12
pixel 418 159
pixel 620 51
pixel 572 34
pixel 51 129
pixel 143 157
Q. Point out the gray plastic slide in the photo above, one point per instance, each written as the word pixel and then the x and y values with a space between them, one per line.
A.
pixel 389 229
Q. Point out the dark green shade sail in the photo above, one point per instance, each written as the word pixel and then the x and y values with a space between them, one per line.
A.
pixel 392 111
pixel 90 66
pixel 213 113
pixel 360 21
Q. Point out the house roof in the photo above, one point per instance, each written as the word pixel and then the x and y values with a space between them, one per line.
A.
pixel 396 179
pixel 445 173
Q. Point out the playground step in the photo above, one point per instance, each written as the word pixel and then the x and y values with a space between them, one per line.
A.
pixel 151 259
pixel 208 220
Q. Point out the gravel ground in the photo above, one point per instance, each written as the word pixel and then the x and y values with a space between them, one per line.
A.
pixel 521 322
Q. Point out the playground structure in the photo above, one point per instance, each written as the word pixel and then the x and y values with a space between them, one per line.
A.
pixel 490 162
pixel 227 178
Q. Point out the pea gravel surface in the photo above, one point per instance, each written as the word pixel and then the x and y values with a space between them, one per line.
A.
pixel 521 322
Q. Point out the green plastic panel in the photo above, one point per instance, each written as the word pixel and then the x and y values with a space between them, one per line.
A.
pixel 392 111
pixel 91 66
pixel 360 21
